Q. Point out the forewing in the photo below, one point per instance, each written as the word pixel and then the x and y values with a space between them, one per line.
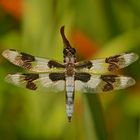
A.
pixel 55 81
pixel 103 83
pixel 31 63
pixel 109 64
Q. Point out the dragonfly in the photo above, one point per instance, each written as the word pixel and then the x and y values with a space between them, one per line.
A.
pixel 89 76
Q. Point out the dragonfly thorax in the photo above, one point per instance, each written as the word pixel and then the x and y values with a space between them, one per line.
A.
pixel 69 59
pixel 70 69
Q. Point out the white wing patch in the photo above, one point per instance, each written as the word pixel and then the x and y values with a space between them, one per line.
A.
pixel 29 62
pixel 110 64
pixel 97 85
pixel 99 66
pixel 93 82
pixel 43 80
pixel 53 85
pixel 40 65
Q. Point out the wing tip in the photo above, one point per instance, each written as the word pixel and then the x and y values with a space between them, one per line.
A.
pixel 131 81
pixel 8 78
pixel 128 58
pixel 5 53
pixel 127 82
pixel 13 78
pixel 134 56
pixel 131 57
pixel 9 54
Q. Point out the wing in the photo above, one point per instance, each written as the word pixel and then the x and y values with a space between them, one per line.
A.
pixel 101 83
pixel 109 64
pixel 33 81
pixel 31 63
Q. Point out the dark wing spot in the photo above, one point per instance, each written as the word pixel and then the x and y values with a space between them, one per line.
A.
pixel 84 77
pixel 30 78
pixel 27 57
pixel 113 61
pixel 31 85
pixel 107 87
pixel 85 64
pixel 109 79
pixel 113 67
pixel 52 64
pixel 57 76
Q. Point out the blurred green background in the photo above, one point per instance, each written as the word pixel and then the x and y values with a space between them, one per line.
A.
pixel 96 28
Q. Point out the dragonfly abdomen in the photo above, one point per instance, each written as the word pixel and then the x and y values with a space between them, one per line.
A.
pixel 69 96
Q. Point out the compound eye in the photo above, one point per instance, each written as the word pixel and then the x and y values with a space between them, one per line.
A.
pixel 65 51
pixel 73 51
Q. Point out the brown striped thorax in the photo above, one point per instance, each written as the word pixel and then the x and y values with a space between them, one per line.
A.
pixel 90 76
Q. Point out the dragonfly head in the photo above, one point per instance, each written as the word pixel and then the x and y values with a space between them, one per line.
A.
pixel 69 52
